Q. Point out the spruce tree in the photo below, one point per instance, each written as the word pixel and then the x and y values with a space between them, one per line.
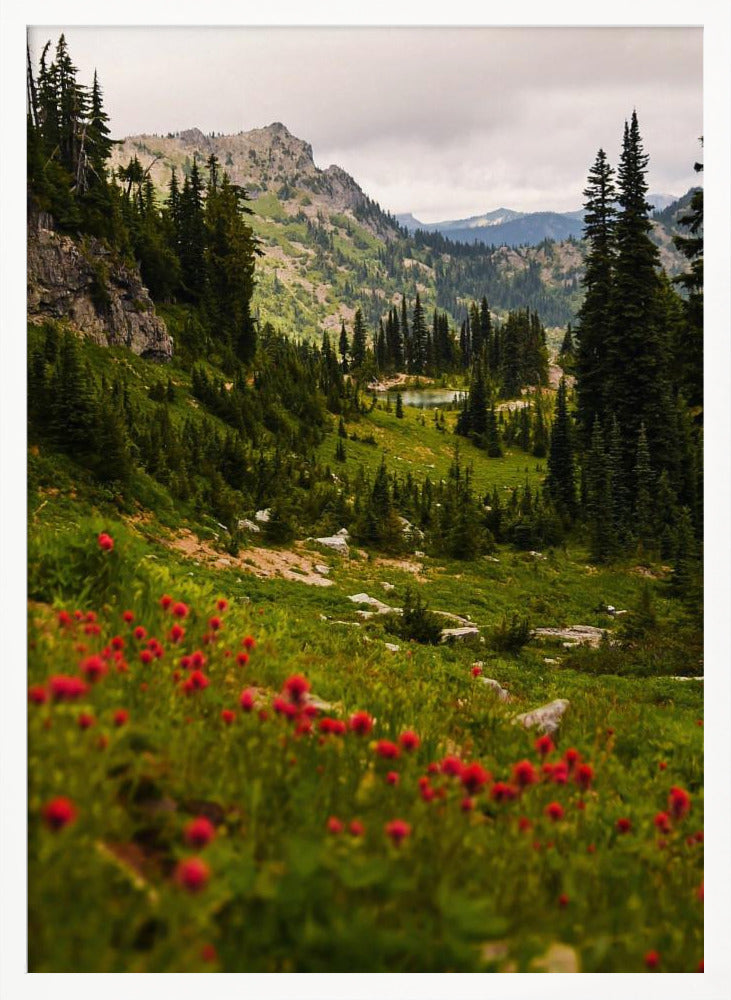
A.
pixel 419 338
pixel 359 340
pixel 492 436
pixel 594 316
pixel 644 512
pixel 399 406
pixel 561 469
pixel 344 346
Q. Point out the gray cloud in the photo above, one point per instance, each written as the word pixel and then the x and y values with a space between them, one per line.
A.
pixel 443 122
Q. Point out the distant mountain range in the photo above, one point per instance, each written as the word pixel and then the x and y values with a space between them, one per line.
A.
pixel 506 227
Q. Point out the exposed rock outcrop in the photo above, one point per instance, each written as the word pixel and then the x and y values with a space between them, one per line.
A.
pixel 86 284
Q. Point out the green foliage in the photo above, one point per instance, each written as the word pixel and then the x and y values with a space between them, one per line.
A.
pixel 416 622
pixel 511 634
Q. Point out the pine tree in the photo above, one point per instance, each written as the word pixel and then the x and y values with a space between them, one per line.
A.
pixel 561 469
pixel 637 378
pixel 359 340
pixel 399 406
pixel 644 513
pixel 492 436
pixel 418 339
pixel 599 502
pixel 344 346
pixel 594 316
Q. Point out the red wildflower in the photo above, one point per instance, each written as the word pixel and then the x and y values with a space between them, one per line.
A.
pixel 198 680
pixel 584 776
pixel 699 722
pixel 563 900
pixel 623 825
pixel 476 670
pixel 678 802
pixel 409 740
pixel 572 757
pixel 699 892
pixel 221 603
pixel 65 688
pixel 246 700
pixel 248 641
pixel 699 837
pixel 92 629
pixel 397 830
pixel 361 723
pixel 242 659
pixel 192 874
pixel 64 619
pixel 106 542
pixel 356 828
pixel 387 750
pixel 524 774
pixel 296 687
pixel 128 616
pixel 452 766
pixel 283 707
pixel 303 727
pixel 502 792
pixel 392 777
pixel 334 825
pixel 93 668
pixel 37 694
pixel 524 824
pixel 146 656
pixel 199 832
pixel 590 849
pixel 473 777
pixel 180 610
pixel 544 745
pixel 121 717
pixel 662 822
pixel 58 813
pixel 197 659
pixel 662 765
pixel 652 959
pixel 432 767
pixel 560 773
pixel 208 953
pixel 165 601
pixel 554 811
pixel 427 793
pixel 215 623
pixel 140 632
pixel 176 633
pixel 78 615
pixel 228 716
pixel 85 720
pixel 467 804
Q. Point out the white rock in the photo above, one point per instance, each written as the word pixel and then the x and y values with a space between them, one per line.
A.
pixel 322 569
pixel 499 690
pixel 546 718
pixel 388 586
pixel 459 634
pixel 343 533
pixel 247 525
pixel 587 635
pixel 418 552
pixel 373 602
pixel 335 542
pixel 548 659
pixel 263 516
pixel 392 646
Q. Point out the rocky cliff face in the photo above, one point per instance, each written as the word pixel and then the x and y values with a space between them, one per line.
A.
pixel 85 284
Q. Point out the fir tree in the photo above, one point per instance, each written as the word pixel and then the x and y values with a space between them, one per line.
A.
pixel 359 340
pixel 344 346
pixel 561 469
pixel 399 406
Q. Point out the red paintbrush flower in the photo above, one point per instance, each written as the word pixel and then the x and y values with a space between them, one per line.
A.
pixel 64 688
pixel 476 670
pixel 85 720
pixel 356 828
pixel 192 874
pixel 58 813
pixel 387 750
pixel 392 778
pixel 623 825
pixel 120 717
pixel 474 777
pixel 37 694
pixel 180 610
pixel 502 792
pixel 106 542
pixel 246 700
pixel 128 616
pixel 176 633
pixel 222 604
pixel 524 774
pixel 228 716
pixel 652 959
pixel 248 641
pixel 409 740
pixel 165 601
pixel 678 802
pixel 584 776
pixel 361 723
pixel 242 659
pixel 334 825
pixel 296 687
pixel 93 668
pixel 199 832
pixel 662 822
pixel 554 811
pixel 214 623
pixel 544 745
pixel 64 619
pixel 452 766
pixel 398 830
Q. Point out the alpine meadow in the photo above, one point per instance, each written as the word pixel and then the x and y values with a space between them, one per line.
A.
pixel 364 555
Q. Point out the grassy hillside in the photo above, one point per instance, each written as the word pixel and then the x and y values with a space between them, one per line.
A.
pixel 321 850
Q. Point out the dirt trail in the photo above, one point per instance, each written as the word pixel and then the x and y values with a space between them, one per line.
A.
pixel 262 563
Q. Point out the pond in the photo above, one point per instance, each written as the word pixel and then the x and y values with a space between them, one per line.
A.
pixel 427 399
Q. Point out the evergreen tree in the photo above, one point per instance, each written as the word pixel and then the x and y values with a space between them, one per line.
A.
pixel 644 519
pixel 599 502
pixel 561 469
pixel 399 406
pixel 492 437
pixel 689 352
pixel 359 340
pixel 344 346
pixel 418 339
pixel 594 316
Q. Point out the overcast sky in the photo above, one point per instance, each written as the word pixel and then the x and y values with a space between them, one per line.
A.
pixel 442 122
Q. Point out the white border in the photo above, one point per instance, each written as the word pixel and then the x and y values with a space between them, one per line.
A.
pixel 14 983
